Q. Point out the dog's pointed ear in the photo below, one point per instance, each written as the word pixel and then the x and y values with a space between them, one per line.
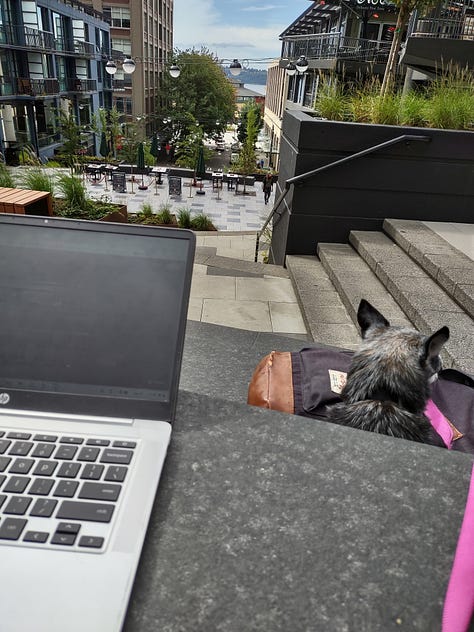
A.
pixel 368 316
pixel 434 343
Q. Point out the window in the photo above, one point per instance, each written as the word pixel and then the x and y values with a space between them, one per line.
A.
pixel 118 17
pixel 123 45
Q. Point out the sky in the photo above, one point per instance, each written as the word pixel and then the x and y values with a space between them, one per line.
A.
pixel 243 29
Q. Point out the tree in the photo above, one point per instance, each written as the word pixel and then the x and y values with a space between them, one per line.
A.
pixel 71 135
pixel 187 149
pixel 108 122
pixel 247 158
pixel 405 8
pixel 201 93
pixel 250 105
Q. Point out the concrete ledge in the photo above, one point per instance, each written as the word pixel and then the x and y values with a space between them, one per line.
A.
pixel 323 311
pixel 449 267
pixel 425 303
pixel 354 280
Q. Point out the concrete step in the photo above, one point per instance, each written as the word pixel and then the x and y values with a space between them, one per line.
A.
pixel 450 268
pixel 424 302
pixel 324 314
pixel 230 266
pixel 354 280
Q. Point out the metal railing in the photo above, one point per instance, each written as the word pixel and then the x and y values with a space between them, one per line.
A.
pixel 73 84
pixel 19 36
pixel 456 27
pixel 299 179
pixel 25 86
pixel 336 46
pixel 38 39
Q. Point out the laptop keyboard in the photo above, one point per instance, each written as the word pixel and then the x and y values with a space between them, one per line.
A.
pixel 60 491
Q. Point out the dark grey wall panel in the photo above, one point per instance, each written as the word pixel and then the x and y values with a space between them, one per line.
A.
pixel 417 180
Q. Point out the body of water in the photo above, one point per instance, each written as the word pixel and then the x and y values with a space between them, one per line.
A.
pixel 256 87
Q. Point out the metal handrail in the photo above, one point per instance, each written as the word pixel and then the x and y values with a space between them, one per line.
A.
pixel 309 174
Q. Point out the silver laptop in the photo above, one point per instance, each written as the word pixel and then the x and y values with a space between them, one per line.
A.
pixel 92 328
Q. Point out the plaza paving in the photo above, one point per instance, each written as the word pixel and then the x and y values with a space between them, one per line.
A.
pixel 226 209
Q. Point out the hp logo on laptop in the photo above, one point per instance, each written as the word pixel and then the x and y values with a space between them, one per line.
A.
pixel 4 398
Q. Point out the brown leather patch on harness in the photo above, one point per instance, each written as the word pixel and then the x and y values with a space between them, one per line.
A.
pixel 271 385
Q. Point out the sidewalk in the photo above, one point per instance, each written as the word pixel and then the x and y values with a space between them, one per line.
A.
pixel 251 299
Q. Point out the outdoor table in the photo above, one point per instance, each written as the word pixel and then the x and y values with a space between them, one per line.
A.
pixel 158 173
pixel 109 170
pixel 217 178
pixel 232 179
pixel 95 171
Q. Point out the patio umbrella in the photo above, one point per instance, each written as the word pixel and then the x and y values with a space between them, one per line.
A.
pixel 200 166
pixel 141 159
pixel 103 150
pixel 154 149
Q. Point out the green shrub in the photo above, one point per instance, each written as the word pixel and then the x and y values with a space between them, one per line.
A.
pixel 147 210
pixel 184 218
pixel 447 103
pixel 94 210
pixel 412 109
pixel 38 180
pixel 202 222
pixel 385 109
pixel 6 179
pixel 164 216
pixel 331 102
pixel 360 107
pixel 450 102
pixel 73 192
pixel 27 156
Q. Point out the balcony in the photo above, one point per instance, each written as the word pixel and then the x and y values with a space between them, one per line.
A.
pixel 24 37
pixel 73 84
pixel 23 86
pixel 438 41
pixel 334 47
pixel 77 48
pixel 85 49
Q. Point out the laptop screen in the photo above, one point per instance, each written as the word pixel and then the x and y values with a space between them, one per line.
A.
pixel 92 316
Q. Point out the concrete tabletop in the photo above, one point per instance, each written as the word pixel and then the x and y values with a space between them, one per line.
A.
pixel 265 521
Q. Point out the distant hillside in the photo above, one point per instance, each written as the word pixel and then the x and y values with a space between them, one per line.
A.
pixel 250 75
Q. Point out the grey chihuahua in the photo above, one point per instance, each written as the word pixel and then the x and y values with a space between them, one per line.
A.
pixel 387 384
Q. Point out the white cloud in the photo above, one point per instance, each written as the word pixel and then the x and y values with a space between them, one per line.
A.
pixel 200 23
pixel 265 7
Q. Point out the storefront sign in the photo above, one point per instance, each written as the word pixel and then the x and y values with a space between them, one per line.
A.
pixel 374 3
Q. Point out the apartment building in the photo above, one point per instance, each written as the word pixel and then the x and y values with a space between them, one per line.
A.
pixel 52 57
pixel 142 30
pixel 353 39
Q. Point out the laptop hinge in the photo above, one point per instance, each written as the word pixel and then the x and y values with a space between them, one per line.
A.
pixel 68 417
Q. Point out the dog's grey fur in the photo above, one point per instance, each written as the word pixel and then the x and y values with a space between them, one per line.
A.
pixel 387 384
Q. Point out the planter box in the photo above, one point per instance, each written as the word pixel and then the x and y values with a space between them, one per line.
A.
pixel 120 215
pixel 418 180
